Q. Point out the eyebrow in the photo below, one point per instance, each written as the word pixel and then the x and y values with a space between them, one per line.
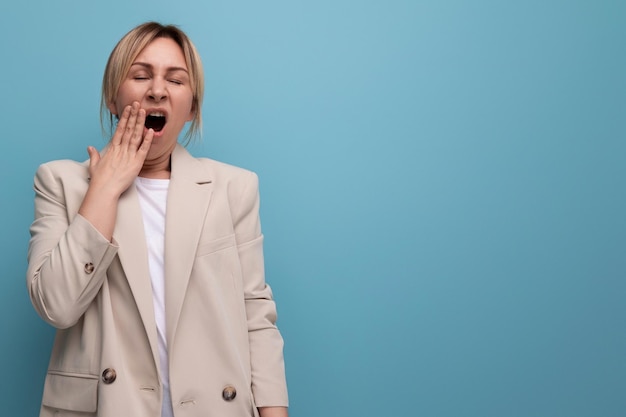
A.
pixel 169 69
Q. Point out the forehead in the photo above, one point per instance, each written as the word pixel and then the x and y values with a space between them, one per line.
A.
pixel 162 52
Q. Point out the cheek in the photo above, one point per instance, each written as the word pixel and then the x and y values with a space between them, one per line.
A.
pixel 125 96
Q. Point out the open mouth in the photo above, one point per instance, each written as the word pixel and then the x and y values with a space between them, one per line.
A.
pixel 155 121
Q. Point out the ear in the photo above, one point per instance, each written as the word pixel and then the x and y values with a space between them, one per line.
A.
pixel 112 109
pixel 192 112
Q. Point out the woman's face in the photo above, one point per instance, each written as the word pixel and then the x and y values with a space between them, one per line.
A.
pixel 159 80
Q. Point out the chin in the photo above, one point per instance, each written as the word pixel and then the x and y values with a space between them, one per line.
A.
pixel 160 145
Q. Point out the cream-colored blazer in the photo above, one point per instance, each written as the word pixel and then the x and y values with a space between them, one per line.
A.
pixel 225 351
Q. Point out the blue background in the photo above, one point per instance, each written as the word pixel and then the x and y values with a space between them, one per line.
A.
pixel 443 189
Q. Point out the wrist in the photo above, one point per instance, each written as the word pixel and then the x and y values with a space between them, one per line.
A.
pixel 273 412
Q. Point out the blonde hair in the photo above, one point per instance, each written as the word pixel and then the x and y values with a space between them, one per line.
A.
pixel 125 53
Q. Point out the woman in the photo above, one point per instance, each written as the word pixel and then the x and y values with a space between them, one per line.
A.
pixel 149 262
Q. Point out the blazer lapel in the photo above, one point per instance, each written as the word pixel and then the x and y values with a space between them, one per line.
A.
pixel 133 253
pixel 187 204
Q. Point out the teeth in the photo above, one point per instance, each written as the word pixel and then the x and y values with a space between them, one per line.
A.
pixel 157 114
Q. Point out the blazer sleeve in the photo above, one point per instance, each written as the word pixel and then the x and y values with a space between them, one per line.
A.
pixel 67 256
pixel 266 343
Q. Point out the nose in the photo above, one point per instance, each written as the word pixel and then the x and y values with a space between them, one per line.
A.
pixel 157 90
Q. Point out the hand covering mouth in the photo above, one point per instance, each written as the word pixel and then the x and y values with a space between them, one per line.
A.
pixel 155 121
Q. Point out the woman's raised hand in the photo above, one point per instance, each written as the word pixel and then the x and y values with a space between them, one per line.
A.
pixel 114 171
pixel 126 153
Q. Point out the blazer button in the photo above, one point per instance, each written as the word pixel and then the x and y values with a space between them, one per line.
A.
pixel 109 375
pixel 229 393
pixel 89 268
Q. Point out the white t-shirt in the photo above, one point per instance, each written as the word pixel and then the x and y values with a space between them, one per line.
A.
pixel 153 201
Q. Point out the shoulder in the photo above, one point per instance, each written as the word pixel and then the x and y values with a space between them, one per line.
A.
pixel 62 170
pixel 62 181
pixel 204 169
pixel 186 165
pixel 239 183
pixel 61 165
pixel 224 170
